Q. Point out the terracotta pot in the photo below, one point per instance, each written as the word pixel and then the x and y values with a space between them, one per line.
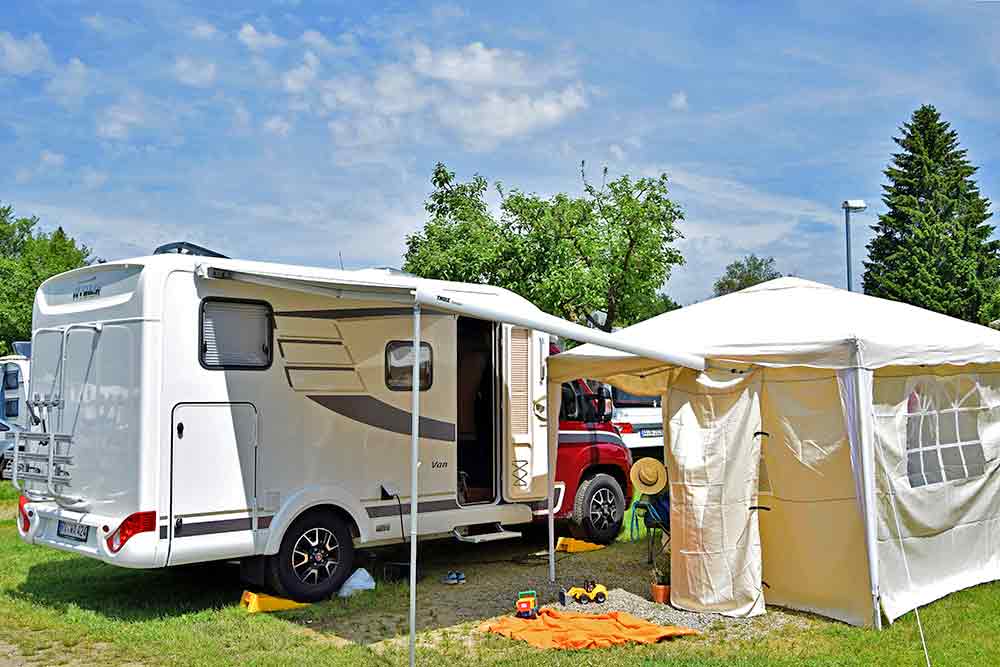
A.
pixel 661 593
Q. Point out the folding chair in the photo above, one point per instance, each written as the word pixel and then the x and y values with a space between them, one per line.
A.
pixel 654 512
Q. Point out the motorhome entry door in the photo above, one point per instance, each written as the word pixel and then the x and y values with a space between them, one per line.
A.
pixel 214 447
pixel 525 450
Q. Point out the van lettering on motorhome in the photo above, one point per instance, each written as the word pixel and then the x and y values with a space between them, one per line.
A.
pixel 198 408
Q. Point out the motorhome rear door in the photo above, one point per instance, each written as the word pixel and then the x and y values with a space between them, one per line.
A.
pixel 525 450
pixel 212 486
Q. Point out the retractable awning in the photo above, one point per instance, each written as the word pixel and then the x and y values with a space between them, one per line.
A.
pixel 478 301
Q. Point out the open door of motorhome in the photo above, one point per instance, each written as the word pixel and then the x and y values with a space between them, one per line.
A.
pixel 525 446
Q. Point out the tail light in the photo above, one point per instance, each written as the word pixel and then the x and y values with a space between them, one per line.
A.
pixel 140 522
pixel 23 513
pixel 624 427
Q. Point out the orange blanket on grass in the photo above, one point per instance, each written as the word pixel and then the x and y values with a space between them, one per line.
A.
pixel 555 629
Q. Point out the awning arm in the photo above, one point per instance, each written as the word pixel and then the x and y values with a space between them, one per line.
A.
pixel 540 321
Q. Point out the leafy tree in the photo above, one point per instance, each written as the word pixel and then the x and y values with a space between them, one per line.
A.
pixel 608 251
pixel 745 272
pixel 932 248
pixel 28 256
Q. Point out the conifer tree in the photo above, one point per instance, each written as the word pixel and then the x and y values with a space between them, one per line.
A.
pixel 933 246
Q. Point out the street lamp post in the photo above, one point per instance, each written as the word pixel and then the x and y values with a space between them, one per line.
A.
pixel 848 206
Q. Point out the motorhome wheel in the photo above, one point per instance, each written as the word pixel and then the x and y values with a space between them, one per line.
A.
pixel 316 556
pixel 599 509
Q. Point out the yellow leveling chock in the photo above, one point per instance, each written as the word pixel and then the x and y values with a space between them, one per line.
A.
pixel 260 602
pixel 570 545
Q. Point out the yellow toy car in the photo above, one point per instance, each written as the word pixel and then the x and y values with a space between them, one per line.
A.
pixel 591 591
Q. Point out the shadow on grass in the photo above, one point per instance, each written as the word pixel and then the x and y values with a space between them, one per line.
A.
pixel 130 595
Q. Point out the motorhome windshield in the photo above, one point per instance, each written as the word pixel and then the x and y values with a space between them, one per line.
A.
pixel 623 399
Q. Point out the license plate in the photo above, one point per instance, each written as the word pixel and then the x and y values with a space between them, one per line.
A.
pixel 651 433
pixel 73 531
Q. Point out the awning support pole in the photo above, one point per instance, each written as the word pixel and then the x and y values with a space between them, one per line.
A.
pixel 552 405
pixel 414 487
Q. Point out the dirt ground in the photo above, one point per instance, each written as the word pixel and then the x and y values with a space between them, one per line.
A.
pixel 494 575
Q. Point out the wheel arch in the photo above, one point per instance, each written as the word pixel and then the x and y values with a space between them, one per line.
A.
pixel 329 499
pixel 613 471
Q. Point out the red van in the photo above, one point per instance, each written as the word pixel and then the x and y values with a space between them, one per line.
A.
pixel 592 481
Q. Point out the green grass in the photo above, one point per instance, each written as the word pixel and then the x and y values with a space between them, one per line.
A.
pixel 59 608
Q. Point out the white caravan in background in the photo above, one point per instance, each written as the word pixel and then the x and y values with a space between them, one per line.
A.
pixel 196 408
pixel 639 420
pixel 15 368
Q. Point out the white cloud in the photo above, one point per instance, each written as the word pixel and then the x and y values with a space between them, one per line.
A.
pixel 70 84
pixel 277 126
pixel 241 117
pixel 51 160
pixel 345 44
pixel 476 64
pixel 258 41
pixel 445 12
pixel 108 25
pixel 298 79
pixel 679 101
pixel 365 131
pixel 23 56
pixel 93 179
pixel 398 91
pixel 617 152
pixel 117 121
pixel 194 73
pixel 498 116
pixel 203 30
pixel 48 161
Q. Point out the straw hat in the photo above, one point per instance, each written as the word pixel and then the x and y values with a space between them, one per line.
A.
pixel 648 476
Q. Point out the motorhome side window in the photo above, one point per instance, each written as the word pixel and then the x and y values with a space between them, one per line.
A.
pixel 11 377
pixel 399 365
pixel 236 334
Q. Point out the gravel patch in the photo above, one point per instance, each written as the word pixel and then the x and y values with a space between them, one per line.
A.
pixel 661 614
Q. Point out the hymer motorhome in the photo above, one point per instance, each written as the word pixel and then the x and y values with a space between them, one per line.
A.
pixel 194 408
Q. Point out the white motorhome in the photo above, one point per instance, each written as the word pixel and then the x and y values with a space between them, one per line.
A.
pixel 196 408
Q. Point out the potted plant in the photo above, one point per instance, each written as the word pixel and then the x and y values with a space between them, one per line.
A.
pixel 660 587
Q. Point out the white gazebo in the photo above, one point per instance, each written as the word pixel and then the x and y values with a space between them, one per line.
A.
pixel 839 453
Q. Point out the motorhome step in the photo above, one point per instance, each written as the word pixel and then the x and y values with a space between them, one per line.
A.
pixel 484 533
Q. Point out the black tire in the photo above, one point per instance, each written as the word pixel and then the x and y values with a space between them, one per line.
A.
pixel 315 558
pixel 599 509
pixel 600 598
pixel 582 599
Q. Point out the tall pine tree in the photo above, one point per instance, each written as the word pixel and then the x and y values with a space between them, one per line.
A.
pixel 933 247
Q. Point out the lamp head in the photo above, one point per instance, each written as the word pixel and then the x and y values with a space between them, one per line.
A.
pixel 854 205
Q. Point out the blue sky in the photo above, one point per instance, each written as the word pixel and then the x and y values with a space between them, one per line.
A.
pixel 297 130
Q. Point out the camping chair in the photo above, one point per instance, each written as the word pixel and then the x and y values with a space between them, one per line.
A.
pixel 654 512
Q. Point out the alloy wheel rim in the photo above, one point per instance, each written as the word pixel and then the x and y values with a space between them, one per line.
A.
pixel 603 509
pixel 316 556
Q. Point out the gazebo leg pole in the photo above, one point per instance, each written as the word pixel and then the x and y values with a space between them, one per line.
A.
pixel 414 487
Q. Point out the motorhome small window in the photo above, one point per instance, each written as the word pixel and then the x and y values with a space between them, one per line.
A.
pixel 399 366
pixel 11 378
pixel 236 335
pixel 10 408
